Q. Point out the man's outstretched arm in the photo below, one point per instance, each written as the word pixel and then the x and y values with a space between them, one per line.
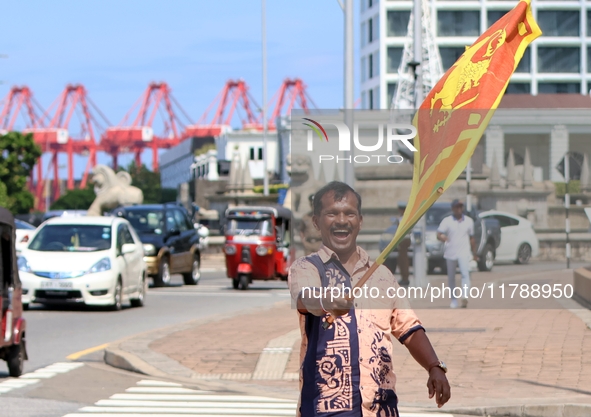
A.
pixel 422 351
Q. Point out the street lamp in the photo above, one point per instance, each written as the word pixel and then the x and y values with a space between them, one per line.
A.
pixel 264 46
pixel 347 6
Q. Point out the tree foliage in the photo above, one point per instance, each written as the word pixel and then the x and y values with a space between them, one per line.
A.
pixel 19 155
pixel 79 199
pixel 147 181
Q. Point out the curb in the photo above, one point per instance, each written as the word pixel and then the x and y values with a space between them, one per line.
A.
pixel 133 354
pixel 548 410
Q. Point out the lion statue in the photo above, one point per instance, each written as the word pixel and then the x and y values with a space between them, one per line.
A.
pixel 112 190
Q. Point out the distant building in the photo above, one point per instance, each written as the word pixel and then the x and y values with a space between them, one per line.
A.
pixel 557 62
pixel 175 163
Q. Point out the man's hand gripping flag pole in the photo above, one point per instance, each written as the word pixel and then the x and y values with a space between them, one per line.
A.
pixel 453 117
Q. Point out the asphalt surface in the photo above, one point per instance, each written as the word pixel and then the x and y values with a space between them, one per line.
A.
pixel 53 333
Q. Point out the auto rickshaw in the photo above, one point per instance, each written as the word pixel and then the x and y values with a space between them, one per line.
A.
pixel 257 244
pixel 13 325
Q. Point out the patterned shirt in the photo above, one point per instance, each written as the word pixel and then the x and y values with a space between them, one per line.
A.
pixel 347 369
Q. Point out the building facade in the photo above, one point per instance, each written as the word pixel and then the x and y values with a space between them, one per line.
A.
pixel 557 62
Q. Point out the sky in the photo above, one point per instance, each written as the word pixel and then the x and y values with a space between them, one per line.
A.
pixel 116 48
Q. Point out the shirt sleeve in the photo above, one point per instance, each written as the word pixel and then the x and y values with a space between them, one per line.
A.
pixel 303 275
pixel 443 226
pixel 403 320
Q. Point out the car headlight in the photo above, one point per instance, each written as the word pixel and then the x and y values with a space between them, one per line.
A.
pixel 101 266
pixel 264 250
pixel 149 249
pixel 230 249
pixel 23 264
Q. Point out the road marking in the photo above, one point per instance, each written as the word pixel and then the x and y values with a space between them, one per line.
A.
pixel 155 399
pixel 78 355
pixel 37 375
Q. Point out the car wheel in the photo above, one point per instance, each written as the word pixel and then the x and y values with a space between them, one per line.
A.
pixel 26 306
pixel 16 359
pixel 193 277
pixel 487 259
pixel 141 297
pixel 523 254
pixel 162 278
pixel 117 296
pixel 235 283
pixel 244 281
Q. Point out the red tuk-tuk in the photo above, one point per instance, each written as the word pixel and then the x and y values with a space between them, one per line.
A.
pixel 13 325
pixel 257 244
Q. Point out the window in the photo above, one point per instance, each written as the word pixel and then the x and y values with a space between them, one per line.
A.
pixel 559 88
pixel 255 154
pixel 171 221
pixel 370 61
pixel 525 63
pixel 505 221
pixel 398 23
pixel 394 58
pixel 391 93
pixel 589 59
pixel 370 31
pixel 495 15
pixel 181 221
pixel 251 156
pixel 370 99
pixel 449 55
pixel 363 69
pixel 519 88
pixel 559 23
pixel 588 23
pixel 363 100
pixel 363 34
pixel 260 154
pixel 377 63
pixel 559 59
pixel 458 23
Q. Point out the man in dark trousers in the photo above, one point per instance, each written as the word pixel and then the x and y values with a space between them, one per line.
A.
pixel 347 368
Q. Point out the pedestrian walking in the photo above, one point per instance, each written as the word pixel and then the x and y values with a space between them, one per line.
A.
pixel 346 369
pixel 457 231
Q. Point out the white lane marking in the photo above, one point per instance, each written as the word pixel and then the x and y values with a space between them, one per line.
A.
pixel 37 375
pixel 188 404
pixel 153 383
pixel 201 397
pixel 224 294
pixel 162 390
pixel 193 411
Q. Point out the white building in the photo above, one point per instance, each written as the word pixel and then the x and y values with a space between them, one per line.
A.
pixel 557 62
pixel 250 147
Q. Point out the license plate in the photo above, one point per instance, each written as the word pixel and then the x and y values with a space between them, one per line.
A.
pixel 56 284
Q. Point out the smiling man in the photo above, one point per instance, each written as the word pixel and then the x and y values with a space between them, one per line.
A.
pixel 346 370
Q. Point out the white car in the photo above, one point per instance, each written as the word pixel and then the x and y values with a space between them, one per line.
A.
pixel 95 261
pixel 519 242
pixel 24 234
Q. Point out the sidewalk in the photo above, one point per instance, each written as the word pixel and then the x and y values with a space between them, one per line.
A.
pixel 518 362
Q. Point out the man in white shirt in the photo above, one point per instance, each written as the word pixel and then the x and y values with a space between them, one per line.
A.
pixel 457 231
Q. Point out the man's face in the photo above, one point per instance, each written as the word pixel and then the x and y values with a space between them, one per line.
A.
pixel 457 210
pixel 339 222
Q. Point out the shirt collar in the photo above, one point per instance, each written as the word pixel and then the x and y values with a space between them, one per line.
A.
pixel 326 254
pixel 461 219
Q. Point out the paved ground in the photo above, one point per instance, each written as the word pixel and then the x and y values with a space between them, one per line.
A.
pixel 500 352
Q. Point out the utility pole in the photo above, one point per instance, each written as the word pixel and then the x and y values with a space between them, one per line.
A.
pixel 419 249
pixel 264 42
pixel 567 206
pixel 347 6
pixel 468 180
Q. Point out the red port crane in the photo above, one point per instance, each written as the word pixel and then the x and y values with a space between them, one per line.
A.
pixel 139 135
pixel 58 137
pixel 291 93
pixel 233 95
pixel 20 99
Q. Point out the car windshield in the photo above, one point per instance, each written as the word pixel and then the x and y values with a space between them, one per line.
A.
pixel 72 238
pixel 23 225
pixel 146 221
pixel 436 214
pixel 249 227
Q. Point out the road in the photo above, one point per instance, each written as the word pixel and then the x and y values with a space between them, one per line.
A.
pixel 60 387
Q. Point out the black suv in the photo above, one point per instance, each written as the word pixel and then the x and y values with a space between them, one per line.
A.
pixel 171 243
